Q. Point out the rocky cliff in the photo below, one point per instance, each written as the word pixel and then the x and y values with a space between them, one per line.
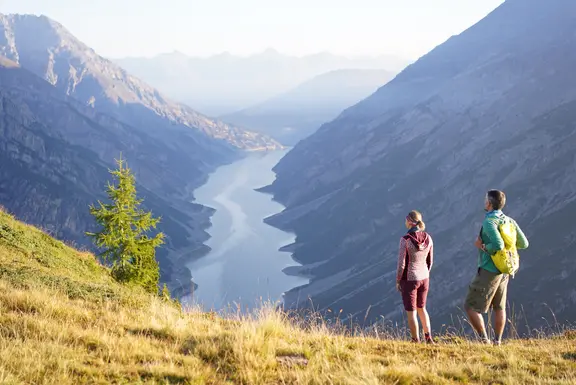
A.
pixel 494 107
pixel 67 114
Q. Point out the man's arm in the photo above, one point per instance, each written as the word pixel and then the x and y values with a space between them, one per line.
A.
pixel 521 240
pixel 495 242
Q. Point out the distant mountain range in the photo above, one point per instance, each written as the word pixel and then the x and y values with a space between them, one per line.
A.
pixel 494 107
pixel 66 113
pixel 225 83
pixel 295 114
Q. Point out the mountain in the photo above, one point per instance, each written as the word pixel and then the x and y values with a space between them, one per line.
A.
pixel 56 299
pixel 493 107
pixel 47 49
pixel 297 113
pixel 51 169
pixel 224 83
pixel 66 113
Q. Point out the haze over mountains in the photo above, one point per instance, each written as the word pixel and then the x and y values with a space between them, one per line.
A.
pixel 297 113
pixel 494 107
pixel 225 83
pixel 67 113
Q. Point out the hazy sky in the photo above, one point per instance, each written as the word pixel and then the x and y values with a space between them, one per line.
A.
pixel 117 28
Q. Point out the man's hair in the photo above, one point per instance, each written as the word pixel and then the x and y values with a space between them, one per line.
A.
pixel 497 199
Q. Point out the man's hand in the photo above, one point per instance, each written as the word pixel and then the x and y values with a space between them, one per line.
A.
pixel 479 244
pixel 398 287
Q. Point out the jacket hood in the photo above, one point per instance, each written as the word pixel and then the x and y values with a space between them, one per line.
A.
pixel 420 239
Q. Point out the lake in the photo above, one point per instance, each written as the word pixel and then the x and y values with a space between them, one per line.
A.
pixel 244 268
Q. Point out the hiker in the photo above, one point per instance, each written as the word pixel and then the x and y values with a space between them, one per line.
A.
pixel 490 286
pixel 415 257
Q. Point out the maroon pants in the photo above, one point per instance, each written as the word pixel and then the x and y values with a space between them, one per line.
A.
pixel 414 294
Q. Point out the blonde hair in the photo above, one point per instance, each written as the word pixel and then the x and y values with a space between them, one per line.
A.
pixel 416 217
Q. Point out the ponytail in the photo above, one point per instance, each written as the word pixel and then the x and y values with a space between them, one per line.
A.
pixel 415 217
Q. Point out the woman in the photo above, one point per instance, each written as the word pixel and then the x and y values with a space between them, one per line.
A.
pixel 415 259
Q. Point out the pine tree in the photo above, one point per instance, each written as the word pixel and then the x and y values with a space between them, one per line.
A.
pixel 122 237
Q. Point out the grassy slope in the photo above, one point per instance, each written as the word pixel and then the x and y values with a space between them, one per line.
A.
pixel 64 321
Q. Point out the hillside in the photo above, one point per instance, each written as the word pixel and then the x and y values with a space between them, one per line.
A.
pixel 493 107
pixel 225 83
pixel 297 113
pixel 64 321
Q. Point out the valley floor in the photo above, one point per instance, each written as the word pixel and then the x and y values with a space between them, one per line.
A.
pixel 64 321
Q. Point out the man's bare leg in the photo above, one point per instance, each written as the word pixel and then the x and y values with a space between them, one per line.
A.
pixel 499 324
pixel 477 322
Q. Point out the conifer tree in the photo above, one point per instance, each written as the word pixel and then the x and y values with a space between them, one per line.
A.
pixel 122 236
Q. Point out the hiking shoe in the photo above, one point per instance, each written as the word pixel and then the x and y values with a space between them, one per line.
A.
pixel 497 342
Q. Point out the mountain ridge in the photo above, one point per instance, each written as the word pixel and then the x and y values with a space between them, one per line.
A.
pixel 79 71
pixel 224 83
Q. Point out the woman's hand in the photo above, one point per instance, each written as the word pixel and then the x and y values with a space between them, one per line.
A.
pixel 398 287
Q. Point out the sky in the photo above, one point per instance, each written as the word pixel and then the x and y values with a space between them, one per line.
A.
pixel 120 28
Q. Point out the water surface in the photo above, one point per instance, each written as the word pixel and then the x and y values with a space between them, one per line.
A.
pixel 244 267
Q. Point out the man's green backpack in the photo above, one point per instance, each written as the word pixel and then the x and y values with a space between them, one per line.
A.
pixel 507 260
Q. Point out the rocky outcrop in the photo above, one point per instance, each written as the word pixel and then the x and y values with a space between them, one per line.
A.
pixel 494 107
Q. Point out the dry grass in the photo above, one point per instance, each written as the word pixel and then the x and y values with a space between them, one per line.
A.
pixel 63 321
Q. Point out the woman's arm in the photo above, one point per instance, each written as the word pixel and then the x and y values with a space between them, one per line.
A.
pixel 401 259
pixel 430 258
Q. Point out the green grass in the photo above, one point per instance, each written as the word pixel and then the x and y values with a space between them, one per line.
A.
pixel 29 258
pixel 63 320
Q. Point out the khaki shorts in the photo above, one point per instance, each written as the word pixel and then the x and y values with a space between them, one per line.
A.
pixel 487 290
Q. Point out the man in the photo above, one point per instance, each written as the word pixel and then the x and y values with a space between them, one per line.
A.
pixel 489 288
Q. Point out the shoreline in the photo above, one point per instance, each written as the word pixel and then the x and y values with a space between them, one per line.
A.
pixel 239 217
